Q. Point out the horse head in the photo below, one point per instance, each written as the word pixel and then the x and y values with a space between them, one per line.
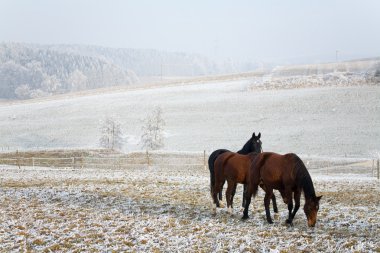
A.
pixel 256 144
pixel 311 209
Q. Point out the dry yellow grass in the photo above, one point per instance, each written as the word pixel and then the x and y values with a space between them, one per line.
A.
pixel 168 209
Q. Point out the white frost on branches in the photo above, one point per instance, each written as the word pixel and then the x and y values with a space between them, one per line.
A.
pixel 111 134
pixel 152 137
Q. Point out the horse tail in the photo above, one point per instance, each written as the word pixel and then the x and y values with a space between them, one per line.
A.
pixel 211 162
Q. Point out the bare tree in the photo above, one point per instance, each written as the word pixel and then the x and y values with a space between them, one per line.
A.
pixel 111 134
pixel 152 137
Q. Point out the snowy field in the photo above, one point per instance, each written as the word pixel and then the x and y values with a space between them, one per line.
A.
pixel 325 121
pixel 168 210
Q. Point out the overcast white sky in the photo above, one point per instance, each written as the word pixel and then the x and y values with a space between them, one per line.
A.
pixel 266 30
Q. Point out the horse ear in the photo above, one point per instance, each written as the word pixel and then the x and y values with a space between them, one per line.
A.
pixel 258 136
pixel 253 135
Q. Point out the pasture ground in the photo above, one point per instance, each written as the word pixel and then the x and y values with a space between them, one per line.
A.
pixel 162 209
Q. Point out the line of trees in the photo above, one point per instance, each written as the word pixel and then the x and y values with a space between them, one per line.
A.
pixel 32 72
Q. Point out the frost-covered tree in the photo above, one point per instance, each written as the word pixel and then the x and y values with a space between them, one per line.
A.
pixel 152 137
pixel 375 154
pixel 23 91
pixel 111 134
pixel 77 81
pixel 55 69
pixel 50 84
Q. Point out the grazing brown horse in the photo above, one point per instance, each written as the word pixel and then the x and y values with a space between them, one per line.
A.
pixel 288 174
pixel 234 168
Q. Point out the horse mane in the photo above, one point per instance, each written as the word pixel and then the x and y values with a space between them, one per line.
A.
pixel 303 178
pixel 246 148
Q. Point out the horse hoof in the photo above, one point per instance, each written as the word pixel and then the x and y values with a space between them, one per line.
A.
pixel 275 210
pixel 270 221
pixel 289 222
pixel 245 217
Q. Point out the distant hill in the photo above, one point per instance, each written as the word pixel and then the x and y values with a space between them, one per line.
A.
pixel 28 71
pixel 146 62
pixel 31 71
pixel 362 66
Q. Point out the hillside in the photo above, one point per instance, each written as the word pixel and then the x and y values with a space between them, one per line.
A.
pixel 29 72
pixel 32 71
pixel 323 121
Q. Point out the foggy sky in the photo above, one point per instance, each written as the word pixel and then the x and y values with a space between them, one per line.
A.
pixel 247 30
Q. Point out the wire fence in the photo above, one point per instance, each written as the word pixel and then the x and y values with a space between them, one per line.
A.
pixel 169 159
pixel 141 159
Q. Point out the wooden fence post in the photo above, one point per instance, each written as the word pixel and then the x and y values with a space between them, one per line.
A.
pixel 204 158
pixel 73 162
pixel 18 160
pixel 147 158
pixel 373 167
pixel 33 162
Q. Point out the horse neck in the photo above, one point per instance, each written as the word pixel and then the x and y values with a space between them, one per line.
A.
pixel 246 148
pixel 308 188
pixel 304 179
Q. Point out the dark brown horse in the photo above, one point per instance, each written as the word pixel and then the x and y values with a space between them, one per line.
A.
pixel 288 174
pixel 252 145
pixel 234 168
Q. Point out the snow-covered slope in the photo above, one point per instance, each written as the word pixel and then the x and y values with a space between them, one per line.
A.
pixel 330 121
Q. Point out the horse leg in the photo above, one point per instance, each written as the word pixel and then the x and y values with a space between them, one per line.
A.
pixel 229 191
pixel 297 199
pixel 247 201
pixel 215 196
pixel 251 188
pixel 244 195
pixel 275 209
pixel 221 192
pixel 267 198
pixel 289 199
pixel 233 194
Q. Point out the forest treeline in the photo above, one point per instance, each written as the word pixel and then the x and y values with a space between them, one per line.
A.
pixel 31 71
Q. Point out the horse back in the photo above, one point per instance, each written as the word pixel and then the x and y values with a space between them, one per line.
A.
pixel 233 166
pixel 275 170
pixel 214 155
